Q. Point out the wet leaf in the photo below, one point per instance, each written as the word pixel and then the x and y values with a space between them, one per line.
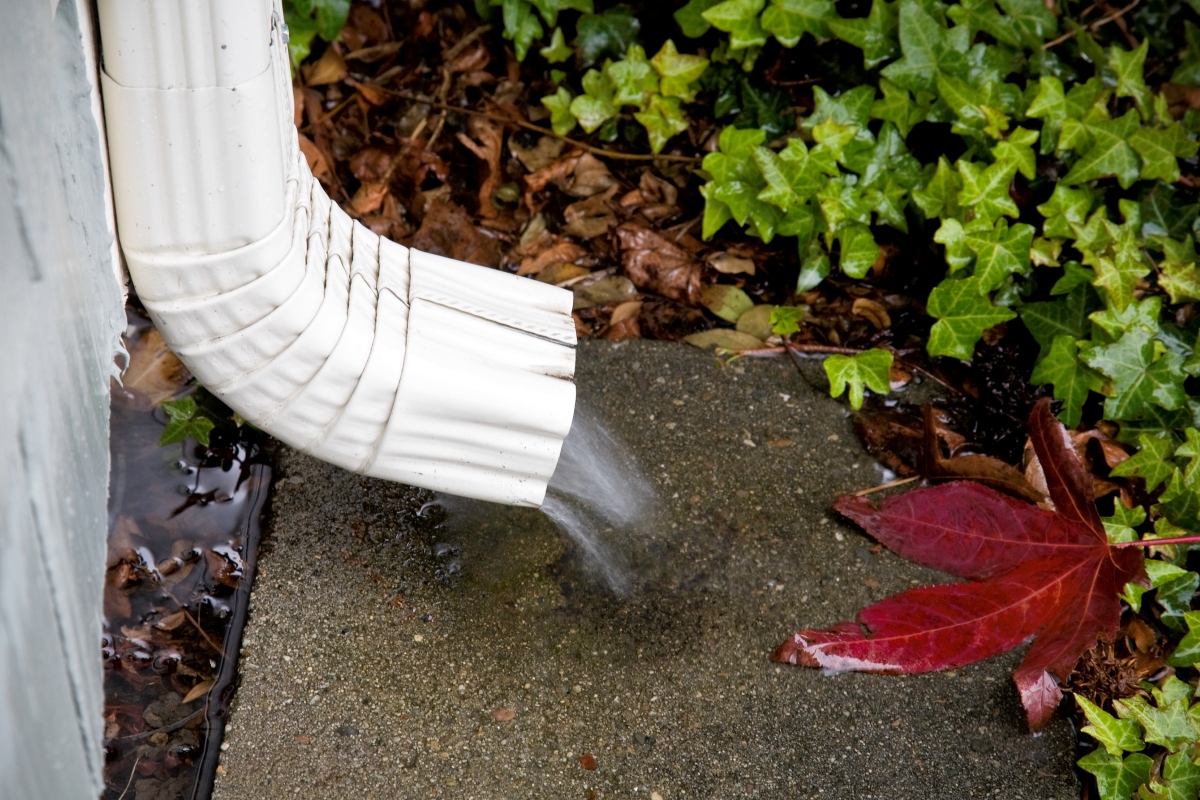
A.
pixel 198 691
pixel 153 369
pixel 1117 779
pixel 724 339
pixel 757 321
pixel 656 264
pixel 185 420
pixel 1033 573
pixel 869 369
pixel 544 153
pixel 503 715
pixel 587 761
pixel 730 264
pixel 727 302
pixel 1117 735
pixel 610 33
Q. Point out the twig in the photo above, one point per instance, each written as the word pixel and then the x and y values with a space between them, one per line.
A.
pixel 881 487
pixel 464 41
pixel 824 349
pixel 508 120
pixel 129 782
pixel 174 726
pixel 1094 26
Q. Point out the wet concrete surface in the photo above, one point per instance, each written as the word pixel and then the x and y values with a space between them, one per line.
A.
pixel 392 655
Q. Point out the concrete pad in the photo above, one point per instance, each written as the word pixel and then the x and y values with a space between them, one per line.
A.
pixel 385 649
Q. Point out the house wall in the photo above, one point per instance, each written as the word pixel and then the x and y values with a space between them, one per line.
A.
pixel 60 321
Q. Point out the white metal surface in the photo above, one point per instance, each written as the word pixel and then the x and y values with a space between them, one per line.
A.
pixel 386 361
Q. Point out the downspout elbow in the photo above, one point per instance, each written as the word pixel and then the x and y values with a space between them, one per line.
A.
pixel 384 360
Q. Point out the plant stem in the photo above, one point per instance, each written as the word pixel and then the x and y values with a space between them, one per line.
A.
pixel 1161 542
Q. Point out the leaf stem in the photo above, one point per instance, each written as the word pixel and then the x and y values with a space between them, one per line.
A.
pixel 1160 542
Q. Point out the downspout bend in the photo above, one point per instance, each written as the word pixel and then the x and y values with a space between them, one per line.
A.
pixel 348 346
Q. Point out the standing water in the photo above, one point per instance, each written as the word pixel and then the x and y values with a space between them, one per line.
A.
pixel 596 491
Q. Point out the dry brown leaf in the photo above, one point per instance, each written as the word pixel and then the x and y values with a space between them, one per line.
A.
pixel 781 443
pixel 368 198
pixel 561 273
pixel 592 217
pixel 374 53
pixel 446 230
pixel 557 172
pixel 487 146
pixel 625 329
pixel 298 106
pixel 540 155
pixel 503 714
pixel 988 470
pixel 171 622
pixel 655 190
pixel 587 761
pixel 364 26
pixel 591 177
pixel 657 265
pixel 470 61
pixel 369 92
pixel 154 371
pixel 318 165
pixel 872 312
pixel 198 691
pixel 606 289
pixel 567 252
pixel 723 339
pixel 627 310
pixel 731 264
pixel 330 68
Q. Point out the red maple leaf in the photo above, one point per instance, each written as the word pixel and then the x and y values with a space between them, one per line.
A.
pixel 1050 576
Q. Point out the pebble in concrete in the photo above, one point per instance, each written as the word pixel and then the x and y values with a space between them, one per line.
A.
pixel 388 657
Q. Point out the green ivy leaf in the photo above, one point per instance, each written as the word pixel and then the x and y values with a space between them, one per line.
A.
pixel 1128 66
pixel 562 121
pixel 963 312
pixel 985 190
pixel 1180 780
pixel 184 420
pixel 814 267
pixel 875 34
pixel 870 369
pixel 1190 450
pixel 1175 596
pixel 928 47
pixel 793 175
pixel 1054 106
pixel 899 108
pixel 662 119
pixel 1065 208
pixel 1110 154
pixel 785 320
pixel 789 20
pixel 738 18
pixel 557 51
pixel 737 180
pixel 1167 212
pixel 595 107
pixel 1001 252
pixel 849 108
pixel 520 25
pixel 1071 378
pixel 1117 735
pixel 1167 726
pixel 1016 150
pixel 859 250
pixel 678 71
pixel 1149 463
pixel 841 202
pixel 610 33
pixel 1066 317
pixel 330 15
pixel 1141 316
pixel 1160 148
pixel 1140 376
pixel 939 196
pixel 1187 652
pixel 1188 71
pixel 1120 526
pixel 1117 779
pixel 301 31
pixel 634 78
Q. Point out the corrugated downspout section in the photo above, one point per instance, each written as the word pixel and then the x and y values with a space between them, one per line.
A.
pixel 389 362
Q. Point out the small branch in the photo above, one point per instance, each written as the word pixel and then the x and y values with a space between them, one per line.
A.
pixel 1115 16
pixel 129 782
pixel 508 120
pixel 1160 542
pixel 881 487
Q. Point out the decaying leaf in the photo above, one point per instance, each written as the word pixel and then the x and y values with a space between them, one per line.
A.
pixel 446 230
pixel 731 264
pixel 503 715
pixel 655 264
pixel 486 145
pixel 988 470
pixel 606 289
pixel 757 321
pixel 723 339
pixel 560 253
pixel 198 691
pixel 318 164
pixel 1048 575
pixel 592 217
pixel 540 155
pixel 872 312
pixel 561 273
pixel 154 371
pixel 330 68
pixel 591 177
pixel 368 198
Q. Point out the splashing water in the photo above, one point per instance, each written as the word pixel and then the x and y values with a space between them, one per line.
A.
pixel 596 491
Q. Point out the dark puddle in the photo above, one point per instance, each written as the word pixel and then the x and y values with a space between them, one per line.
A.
pixel 184 523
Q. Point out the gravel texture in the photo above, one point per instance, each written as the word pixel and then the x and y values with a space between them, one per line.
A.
pixel 476 654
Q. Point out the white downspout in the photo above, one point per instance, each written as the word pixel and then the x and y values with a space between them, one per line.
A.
pixel 386 361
